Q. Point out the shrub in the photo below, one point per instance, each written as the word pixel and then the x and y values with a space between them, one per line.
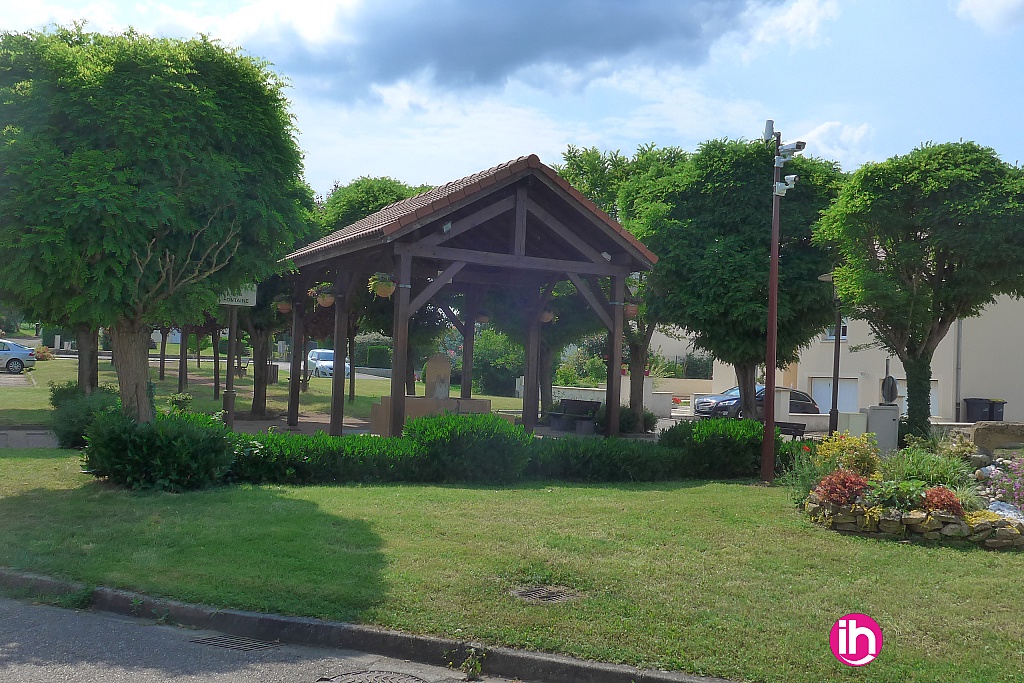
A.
pixel 941 498
pixel 175 452
pixel 679 435
pixel 596 459
pixel 841 487
pixel 470 447
pixel 180 402
pixel 728 448
pixel 857 453
pixel 933 469
pixel 64 391
pixel 44 353
pixel 806 471
pixel 497 362
pixel 1009 483
pixel 74 413
pixel 902 495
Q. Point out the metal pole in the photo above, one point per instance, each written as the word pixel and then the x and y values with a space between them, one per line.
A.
pixel 768 440
pixel 833 414
pixel 229 378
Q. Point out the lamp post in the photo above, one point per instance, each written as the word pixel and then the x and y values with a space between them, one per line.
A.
pixel 783 153
pixel 833 413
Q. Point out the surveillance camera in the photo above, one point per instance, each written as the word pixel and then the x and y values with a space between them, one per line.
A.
pixel 791 180
pixel 792 148
pixel 769 130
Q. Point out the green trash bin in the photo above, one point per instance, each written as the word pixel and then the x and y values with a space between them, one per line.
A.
pixel 977 409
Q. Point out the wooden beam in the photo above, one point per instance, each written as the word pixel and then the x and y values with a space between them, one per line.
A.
pixel 531 385
pixel 435 286
pixel 295 371
pixel 454 320
pixel 400 338
pixel 471 221
pixel 595 303
pixel 614 393
pixel 343 286
pixel 509 261
pixel 472 305
pixel 519 235
pixel 556 226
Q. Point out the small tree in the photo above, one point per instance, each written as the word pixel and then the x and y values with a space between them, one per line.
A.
pixel 927 238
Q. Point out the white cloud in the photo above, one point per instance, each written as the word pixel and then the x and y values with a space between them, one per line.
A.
pixel 996 16
pixel 845 143
pixel 797 23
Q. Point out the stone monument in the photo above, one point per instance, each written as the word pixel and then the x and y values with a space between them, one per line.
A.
pixel 439 376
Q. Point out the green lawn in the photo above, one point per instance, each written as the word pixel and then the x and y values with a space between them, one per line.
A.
pixel 29 406
pixel 711 578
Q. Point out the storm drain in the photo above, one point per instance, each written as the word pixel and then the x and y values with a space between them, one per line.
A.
pixel 236 643
pixel 374 677
pixel 544 594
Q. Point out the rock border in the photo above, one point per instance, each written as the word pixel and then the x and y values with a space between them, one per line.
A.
pixel 916 525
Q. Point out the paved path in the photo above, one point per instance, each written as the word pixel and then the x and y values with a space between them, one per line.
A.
pixel 41 644
pixel 27 438
pixel 22 379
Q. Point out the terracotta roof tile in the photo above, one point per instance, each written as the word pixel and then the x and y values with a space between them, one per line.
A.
pixel 395 216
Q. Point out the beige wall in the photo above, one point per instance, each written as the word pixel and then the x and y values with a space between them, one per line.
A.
pixel 992 359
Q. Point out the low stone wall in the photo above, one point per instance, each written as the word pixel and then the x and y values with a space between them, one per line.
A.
pixel 998 534
pixel 989 436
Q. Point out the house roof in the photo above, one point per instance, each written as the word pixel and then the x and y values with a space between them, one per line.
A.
pixel 384 224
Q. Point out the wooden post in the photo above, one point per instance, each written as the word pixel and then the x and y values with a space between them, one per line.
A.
pixel 531 384
pixel 468 337
pixel 216 361
pixel 400 339
pixel 613 395
pixel 295 377
pixel 340 342
pixel 229 378
pixel 183 359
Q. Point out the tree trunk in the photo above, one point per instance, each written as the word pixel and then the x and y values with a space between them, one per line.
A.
pixel 164 332
pixel 87 338
pixel 410 372
pixel 199 358
pixel 215 335
pixel 919 388
pixel 352 330
pixel 746 377
pixel 183 360
pixel 637 367
pixel 545 366
pixel 130 341
pixel 260 340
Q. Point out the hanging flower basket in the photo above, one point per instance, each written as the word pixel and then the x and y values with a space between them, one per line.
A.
pixel 630 311
pixel 546 316
pixel 483 318
pixel 326 299
pixel 284 306
pixel 381 284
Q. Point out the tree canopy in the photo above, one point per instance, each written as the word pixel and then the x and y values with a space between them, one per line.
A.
pixel 711 228
pixel 926 238
pixel 140 170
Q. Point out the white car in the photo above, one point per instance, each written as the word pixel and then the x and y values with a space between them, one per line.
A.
pixel 321 363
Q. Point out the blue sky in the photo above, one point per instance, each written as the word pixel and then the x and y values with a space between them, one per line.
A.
pixel 427 91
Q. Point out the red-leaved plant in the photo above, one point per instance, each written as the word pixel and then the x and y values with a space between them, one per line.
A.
pixel 842 487
pixel 941 498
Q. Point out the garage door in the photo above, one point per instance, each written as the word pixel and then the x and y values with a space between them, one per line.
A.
pixel 821 391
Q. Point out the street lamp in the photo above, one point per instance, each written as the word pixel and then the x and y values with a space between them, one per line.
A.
pixel 783 153
pixel 833 413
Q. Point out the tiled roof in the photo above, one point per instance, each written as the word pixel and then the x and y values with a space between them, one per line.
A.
pixel 378 226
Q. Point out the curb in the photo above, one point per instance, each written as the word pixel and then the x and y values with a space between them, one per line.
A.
pixel 501 661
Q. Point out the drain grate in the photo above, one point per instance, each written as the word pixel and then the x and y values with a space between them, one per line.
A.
pixel 236 643
pixel 374 677
pixel 545 594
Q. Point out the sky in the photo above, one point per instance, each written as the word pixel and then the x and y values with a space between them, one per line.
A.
pixel 428 91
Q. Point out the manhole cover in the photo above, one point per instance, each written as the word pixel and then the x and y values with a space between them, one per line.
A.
pixel 544 594
pixel 236 643
pixel 374 677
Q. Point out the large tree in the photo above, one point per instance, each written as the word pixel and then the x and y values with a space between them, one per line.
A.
pixel 711 229
pixel 927 238
pixel 139 170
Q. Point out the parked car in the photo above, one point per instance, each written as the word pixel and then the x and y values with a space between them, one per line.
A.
pixel 15 357
pixel 727 404
pixel 321 363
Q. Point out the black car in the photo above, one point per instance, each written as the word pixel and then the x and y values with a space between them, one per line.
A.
pixel 727 404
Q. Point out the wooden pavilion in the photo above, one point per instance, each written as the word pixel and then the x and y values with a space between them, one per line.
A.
pixel 518 224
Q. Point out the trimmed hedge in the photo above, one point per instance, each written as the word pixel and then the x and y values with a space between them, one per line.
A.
pixel 75 412
pixel 470 447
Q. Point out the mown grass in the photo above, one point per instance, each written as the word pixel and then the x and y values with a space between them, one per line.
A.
pixel 29 406
pixel 711 578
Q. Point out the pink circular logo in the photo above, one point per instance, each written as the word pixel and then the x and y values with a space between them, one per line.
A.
pixel 856 639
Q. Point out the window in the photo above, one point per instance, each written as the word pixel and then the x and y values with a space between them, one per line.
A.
pixel 830 333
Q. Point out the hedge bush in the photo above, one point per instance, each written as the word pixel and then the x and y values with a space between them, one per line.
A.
pixel 598 459
pixel 176 452
pixel 470 447
pixel 75 412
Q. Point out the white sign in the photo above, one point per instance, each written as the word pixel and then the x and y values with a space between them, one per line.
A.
pixel 243 297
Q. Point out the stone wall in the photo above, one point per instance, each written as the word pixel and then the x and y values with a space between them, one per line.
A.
pixel 975 528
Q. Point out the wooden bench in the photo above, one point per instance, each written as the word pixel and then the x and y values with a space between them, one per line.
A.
pixel 794 429
pixel 574 414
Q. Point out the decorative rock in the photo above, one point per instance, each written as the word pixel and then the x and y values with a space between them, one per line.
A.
pixel 996 543
pixel 985 472
pixel 1007 533
pixel 846 527
pixel 812 508
pixel 1018 542
pixel 944 517
pixel 981 526
pixel 890 526
pixel 1000 523
pixel 932 535
pixel 929 524
pixel 982 535
pixel 843 518
pixel 813 498
pixel 980 460
pixel 914 517
pixel 955 529
pixel 845 510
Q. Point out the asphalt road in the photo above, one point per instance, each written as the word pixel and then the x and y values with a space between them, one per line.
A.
pixel 42 644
